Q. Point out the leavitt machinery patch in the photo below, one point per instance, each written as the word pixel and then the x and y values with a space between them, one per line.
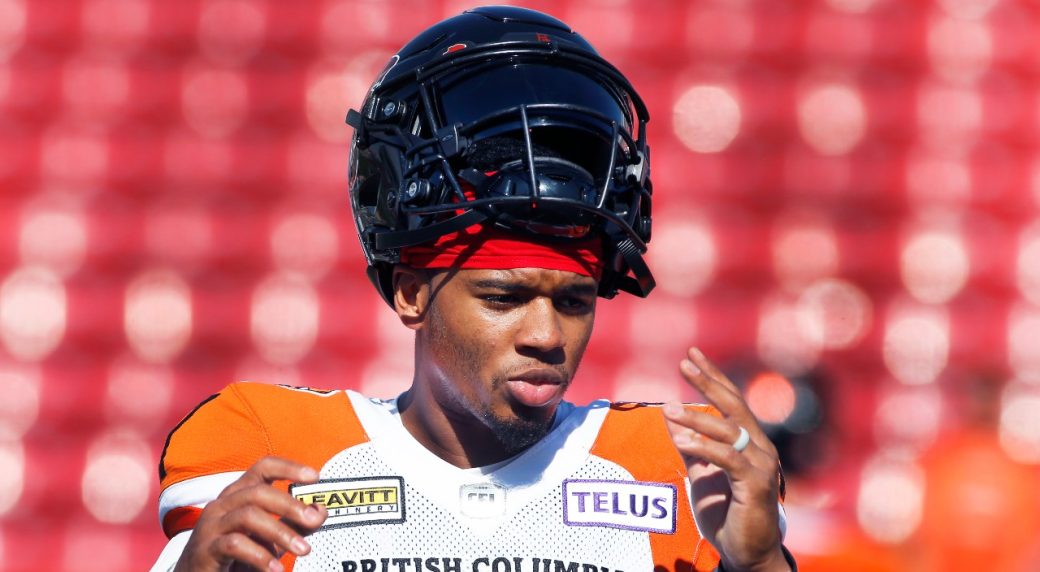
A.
pixel 353 502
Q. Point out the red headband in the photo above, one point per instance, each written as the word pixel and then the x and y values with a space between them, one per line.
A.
pixel 488 248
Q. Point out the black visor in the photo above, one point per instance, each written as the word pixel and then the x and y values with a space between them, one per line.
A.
pixel 466 98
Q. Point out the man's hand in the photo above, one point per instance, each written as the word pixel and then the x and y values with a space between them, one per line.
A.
pixel 735 493
pixel 239 525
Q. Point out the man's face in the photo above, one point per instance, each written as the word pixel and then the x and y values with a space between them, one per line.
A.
pixel 502 346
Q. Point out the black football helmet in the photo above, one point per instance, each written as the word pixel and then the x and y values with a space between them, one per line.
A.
pixel 505 116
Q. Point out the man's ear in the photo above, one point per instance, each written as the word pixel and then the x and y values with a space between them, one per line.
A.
pixel 411 295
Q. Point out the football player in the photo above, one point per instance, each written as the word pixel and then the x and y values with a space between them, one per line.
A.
pixel 500 184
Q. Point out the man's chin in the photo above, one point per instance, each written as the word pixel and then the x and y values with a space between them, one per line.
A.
pixel 517 434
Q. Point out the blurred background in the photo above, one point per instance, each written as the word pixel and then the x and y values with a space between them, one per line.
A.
pixel 847 220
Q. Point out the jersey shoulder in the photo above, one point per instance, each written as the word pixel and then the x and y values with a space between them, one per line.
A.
pixel 244 422
pixel 635 436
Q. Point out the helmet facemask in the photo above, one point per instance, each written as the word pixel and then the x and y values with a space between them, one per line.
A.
pixel 536 137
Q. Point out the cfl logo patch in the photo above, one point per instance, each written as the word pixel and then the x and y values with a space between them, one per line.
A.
pixel 482 500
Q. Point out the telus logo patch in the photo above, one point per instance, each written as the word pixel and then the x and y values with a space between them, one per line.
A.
pixel 630 505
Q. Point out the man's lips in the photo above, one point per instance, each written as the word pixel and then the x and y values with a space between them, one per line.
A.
pixel 536 387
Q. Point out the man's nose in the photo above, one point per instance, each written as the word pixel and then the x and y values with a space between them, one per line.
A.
pixel 540 328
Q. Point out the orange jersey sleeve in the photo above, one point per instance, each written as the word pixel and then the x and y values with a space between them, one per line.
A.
pixel 230 431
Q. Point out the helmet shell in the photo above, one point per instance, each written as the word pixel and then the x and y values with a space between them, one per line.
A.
pixel 517 94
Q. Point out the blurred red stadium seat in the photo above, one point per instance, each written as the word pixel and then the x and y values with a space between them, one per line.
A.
pixel 172 27
pixel 52 25
pixel 19 159
pixel 32 93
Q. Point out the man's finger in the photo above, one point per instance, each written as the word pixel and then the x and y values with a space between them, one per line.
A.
pixel 704 364
pixel 683 420
pixel 238 547
pixel 728 401
pixel 270 469
pixel 724 430
pixel 278 503
pixel 256 523
pixel 726 398
pixel 722 455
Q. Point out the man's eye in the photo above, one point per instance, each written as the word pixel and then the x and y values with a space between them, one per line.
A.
pixel 501 299
pixel 575 304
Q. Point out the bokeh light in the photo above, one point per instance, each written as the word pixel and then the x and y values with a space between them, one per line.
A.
pixel 909 415
pixel 832 118
pixel 54 238
pixel 663 327
pixel 215 102
pixel 1028 263
pixel 834 314
pixel 371 21
pixel 12 26
pixel 33 312
pixel 804 248
pixel 890 500
pixel 916 344
pixel 959 50
pixel 12 478
pixel 686 260
pixel 138 394
pixel 330 89
pixel 1020 423
pixel 157 315
pixel 947 114
pixel 771 397
pixel 853 6
pixel 934 265
pixel 1023 337
pixel 967 9
pixel 21 388
pixel 706 118
pixel 284 318
pixel 117 478
pixel 306 243
pixel 783 344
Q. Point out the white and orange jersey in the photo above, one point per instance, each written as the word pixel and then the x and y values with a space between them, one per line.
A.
pixel 604 491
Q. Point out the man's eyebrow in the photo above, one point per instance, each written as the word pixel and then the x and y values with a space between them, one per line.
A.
pixel 498 284
pixel 582 289
pixel 513 286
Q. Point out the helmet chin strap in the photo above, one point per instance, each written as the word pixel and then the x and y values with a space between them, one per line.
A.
pixel 642 281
